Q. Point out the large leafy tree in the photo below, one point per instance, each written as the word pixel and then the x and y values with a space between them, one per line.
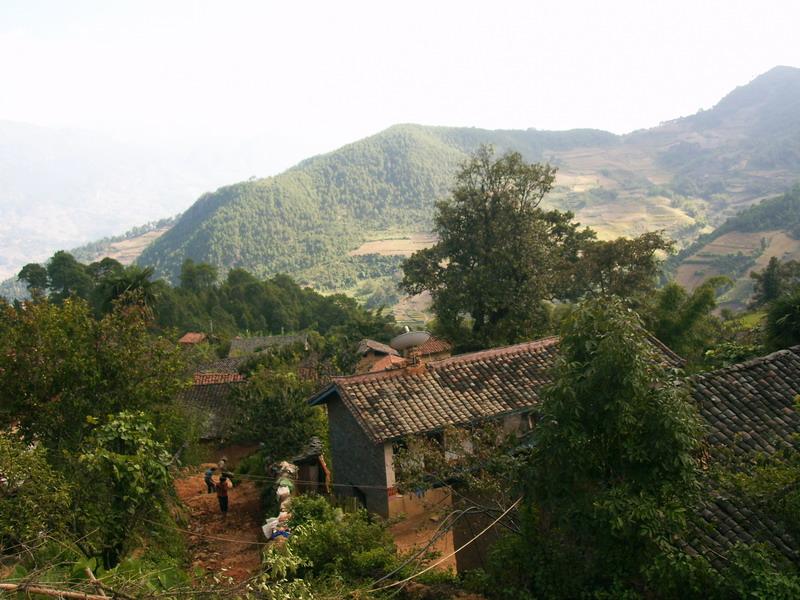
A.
pixel 614 466
pixel 126 285
pixel 197 276
pixel 59 366
pixel 67 277
pixel 499 255
pixel 626 267
pixel 35 277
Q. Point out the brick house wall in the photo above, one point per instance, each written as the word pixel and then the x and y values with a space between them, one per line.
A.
pixel 359 465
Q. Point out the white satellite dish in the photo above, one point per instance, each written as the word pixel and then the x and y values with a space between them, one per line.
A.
pixel 409 339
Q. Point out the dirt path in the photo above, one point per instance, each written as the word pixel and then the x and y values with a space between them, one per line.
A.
pixel 235 560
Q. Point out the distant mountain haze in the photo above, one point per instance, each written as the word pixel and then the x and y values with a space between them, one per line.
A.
pixel 685 176
pixel 61 188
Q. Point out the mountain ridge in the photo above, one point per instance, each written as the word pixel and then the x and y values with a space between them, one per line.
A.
pixel 686 176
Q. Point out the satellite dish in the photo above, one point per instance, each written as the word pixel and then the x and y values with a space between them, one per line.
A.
pixel 409 339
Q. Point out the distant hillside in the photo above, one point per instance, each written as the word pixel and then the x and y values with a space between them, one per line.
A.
pixel 125 248
pixel 742 244
pixel 685 176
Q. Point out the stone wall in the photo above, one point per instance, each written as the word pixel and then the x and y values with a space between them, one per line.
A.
pixel 359 465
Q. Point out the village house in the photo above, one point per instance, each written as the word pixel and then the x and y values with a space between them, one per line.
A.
pixel 376 356
pixel 749 408
pixel 209 398
pixel 369 413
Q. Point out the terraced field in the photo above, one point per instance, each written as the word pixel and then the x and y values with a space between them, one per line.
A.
pixel 760 246
pixel 404 245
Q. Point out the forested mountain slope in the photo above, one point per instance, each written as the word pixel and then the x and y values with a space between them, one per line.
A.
pixel 685 176
pixel 318 211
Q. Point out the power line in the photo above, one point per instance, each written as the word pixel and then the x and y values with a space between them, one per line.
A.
pixel 269 479
pixel 453 553
pixel 209 537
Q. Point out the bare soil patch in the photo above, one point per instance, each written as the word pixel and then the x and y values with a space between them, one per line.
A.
pixel 225 546
pixel 127 251
pixel 414 533
pixel 396 246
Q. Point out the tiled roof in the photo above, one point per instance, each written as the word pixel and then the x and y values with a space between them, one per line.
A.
pixel 366 345
pixel 224 365
pixel 723 522
pixel 211 401
pixel 749 407
pixel 386 363
pixel 434 345
pixel 461 389
pixel 192 338
pixel 242 346
pixel 456 390
pixel 209 378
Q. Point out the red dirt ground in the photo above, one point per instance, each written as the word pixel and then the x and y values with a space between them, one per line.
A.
pixel 413 533
pixel 228 559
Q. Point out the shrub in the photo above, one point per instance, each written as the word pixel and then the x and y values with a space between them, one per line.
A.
pixel 34 498
pixel 332 545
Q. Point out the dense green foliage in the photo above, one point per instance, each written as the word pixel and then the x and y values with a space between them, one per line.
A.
pixel 683 320
pixel 613 484
pixel 613 468
pixel 329 554
pixel 85 466
pixel 61 369
pixel 273 408
pixel 127 470
pixel 241 303
pixel 783 321
pixel 34 497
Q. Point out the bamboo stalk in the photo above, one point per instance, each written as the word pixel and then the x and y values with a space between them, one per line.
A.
pixel 96 583
pixel 45 591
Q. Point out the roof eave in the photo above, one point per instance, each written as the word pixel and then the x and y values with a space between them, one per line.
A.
pixel 321 397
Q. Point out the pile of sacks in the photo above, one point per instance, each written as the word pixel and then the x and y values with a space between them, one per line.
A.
pixel 277 528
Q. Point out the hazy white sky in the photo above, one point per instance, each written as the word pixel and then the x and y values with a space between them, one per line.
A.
pixel 315 75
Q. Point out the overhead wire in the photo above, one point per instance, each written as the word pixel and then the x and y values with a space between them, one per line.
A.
pixel 453 553
pixel 206 536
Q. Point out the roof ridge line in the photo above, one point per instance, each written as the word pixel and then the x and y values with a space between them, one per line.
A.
pixel 460 358
pixel 748 363
pixel 492 352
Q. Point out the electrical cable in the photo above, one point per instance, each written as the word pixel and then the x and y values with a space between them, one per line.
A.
pixel 453 553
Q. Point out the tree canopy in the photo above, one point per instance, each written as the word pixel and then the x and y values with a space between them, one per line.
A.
pixel 613 468
pixel 500 256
